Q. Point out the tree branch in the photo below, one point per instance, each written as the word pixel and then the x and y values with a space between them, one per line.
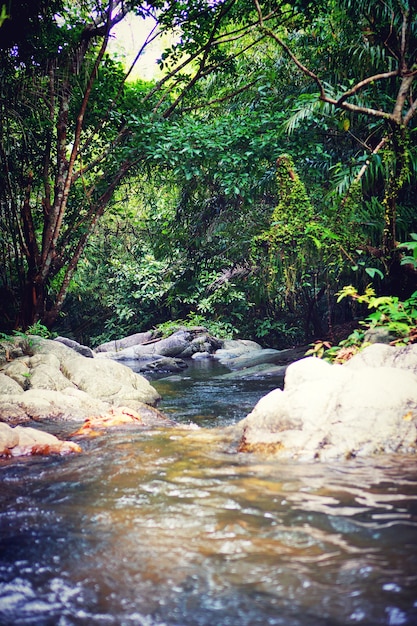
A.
pixel 410 114
pixel 205 54
pixel 364 82
pixel 225 98
pixel 340 103
pixel 403 92
pixel 149 39
pixel 95 212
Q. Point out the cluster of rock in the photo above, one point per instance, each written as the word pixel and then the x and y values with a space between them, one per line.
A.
pixel 149 353
pixel 366 406
pixel 62 380
pixel 44 379
pixel 247 359
pixel 51 380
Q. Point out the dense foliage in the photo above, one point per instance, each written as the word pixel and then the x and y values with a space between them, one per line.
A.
pixel 394 322
pixel 272 162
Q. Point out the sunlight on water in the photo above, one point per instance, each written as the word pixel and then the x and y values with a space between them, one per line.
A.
pixel 168 527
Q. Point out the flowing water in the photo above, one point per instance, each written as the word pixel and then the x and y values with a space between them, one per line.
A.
pixel 172 527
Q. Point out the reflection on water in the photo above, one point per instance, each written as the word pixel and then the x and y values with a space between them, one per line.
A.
pixel 171 528
pixel 189 397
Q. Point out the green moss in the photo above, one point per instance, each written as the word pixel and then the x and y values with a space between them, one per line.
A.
pixel 293 211
pixel 281 251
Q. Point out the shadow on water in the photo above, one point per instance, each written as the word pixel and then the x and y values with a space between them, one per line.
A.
pixel 170 528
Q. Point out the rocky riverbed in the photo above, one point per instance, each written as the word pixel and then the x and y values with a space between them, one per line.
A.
pixel 364 407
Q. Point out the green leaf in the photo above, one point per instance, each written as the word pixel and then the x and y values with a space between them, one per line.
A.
pixel 373 271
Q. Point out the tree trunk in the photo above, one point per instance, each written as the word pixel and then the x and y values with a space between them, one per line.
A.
pixel 33 301
pixel 398 174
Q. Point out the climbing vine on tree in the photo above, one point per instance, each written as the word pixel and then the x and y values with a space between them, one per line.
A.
pixel 281 250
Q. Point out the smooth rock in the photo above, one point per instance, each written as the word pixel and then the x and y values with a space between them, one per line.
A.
pixel 13 377
pixel 381 355
pixel 56 382
pixel 41 404
pixel 84 350
pixel 45 373
pixel 125 342
pixel 109 381
pixel 233 348
pixel 170 347
pixel 263 370
pixel 252 358
pixel 9 438
pixel 333 411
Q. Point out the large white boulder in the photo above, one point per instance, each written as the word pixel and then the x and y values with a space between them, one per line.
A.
pixel 367 406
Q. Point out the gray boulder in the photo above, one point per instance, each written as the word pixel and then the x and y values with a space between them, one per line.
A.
pixel 247 359
pixel 378 334
pixel 125 342
pixel 159 363
pixel 252 358
pixel 182 344
pixel 232 348
pixel 84 350
pixel 367 406
pixel 202 343
pixel 170 346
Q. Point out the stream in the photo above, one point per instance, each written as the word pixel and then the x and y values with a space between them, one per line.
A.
pixel 171 527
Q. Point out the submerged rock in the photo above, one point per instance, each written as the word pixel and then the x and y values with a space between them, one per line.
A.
pixel 367 406
pixel 121 416
pixel 154 363
pixel 263 370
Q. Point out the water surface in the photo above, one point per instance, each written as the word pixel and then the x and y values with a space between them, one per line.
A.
pixel 172 527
